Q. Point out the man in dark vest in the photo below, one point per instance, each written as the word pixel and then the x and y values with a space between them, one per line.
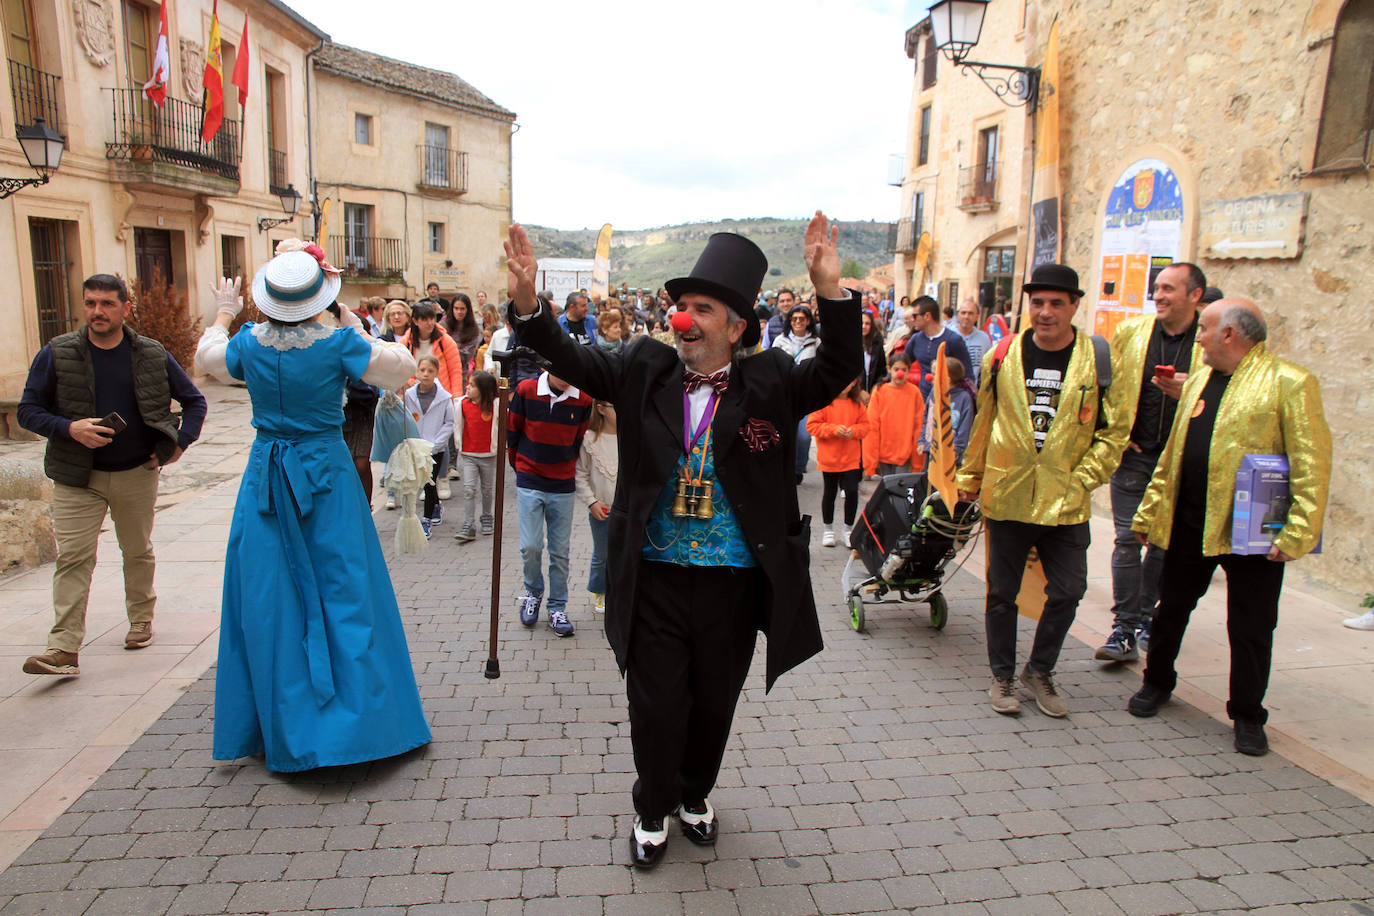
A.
pixel 707 544
pixel 101 395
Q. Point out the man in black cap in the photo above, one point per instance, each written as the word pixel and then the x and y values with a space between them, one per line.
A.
pixel 707 544
pixel 1042 441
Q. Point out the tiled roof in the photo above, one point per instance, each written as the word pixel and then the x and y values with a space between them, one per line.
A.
pixel 390 73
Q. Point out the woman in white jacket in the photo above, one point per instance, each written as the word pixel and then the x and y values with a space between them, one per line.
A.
pixel 800 341
pixel 597 464
pixel 432 408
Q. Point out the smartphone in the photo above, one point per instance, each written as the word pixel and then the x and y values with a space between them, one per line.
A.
pixel 1164 371
pixel 114 421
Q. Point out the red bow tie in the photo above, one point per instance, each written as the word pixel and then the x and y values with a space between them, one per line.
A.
pixel 719 380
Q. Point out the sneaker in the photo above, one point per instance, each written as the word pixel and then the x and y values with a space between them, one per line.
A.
pixel 425 524
pixel 390 500
pixel 1003 695
pixel 559 622
pixel 1041 686
pixel 1250 738
pixel 488 524
pixel 139 635
pixel 1120 647
pixel 453 472
pixel 598 603
pixel 53 661
pixel 438 516
pixel 444 491
pixel 844 536
pixel 1142 636
pixel 1363 622
pixel 467 533
pixel 529 609
pixel 828 538
pixel 1147 701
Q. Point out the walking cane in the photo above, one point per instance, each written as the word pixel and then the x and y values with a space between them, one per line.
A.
pixel 493 669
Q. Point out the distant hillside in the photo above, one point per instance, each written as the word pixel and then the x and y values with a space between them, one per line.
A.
pixel 648 257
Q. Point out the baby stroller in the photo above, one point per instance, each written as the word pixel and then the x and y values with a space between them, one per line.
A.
pixel 904 541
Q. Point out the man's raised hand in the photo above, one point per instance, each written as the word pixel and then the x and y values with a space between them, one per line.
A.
pixel 522 267
pixel 823 257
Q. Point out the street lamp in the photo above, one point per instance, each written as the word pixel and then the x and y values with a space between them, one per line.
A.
pixel 43 148
pixel 956 26
pixel 290 204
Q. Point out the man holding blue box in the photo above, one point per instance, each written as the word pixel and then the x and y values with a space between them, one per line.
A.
pixel 1245 401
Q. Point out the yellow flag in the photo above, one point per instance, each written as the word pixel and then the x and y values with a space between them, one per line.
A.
pixel 942 463
pixel 601 265
pixel 322 226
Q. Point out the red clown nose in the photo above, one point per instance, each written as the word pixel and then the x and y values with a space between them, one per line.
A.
pixel 681 322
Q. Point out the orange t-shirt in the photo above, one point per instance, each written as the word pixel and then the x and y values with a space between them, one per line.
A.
pixel 833 451
pixel 895 417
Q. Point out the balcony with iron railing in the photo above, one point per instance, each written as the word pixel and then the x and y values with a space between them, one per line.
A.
pixel 35 95
pixel 162 146
pixel 276 172
pixel 903 235
pixel 977 188
pixel 367 257
pixel 443 170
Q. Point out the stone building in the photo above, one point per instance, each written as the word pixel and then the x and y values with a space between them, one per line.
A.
pixel 137 189
pixel 1204 133
pixel 417 166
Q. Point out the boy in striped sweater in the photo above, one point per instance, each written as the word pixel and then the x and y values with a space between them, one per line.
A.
pixel 543 437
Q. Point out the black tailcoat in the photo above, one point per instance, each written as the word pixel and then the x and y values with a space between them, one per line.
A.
pixel 644 381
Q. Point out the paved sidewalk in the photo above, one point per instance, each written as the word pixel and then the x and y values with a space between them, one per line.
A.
pixel 872 779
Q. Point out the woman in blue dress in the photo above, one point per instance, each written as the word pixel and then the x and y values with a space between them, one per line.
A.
pixel 313 665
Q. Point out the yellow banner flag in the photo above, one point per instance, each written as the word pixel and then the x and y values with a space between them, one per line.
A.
pixel 601 265
pixel 942 461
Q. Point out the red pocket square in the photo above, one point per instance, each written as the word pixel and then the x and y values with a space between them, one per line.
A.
pixel 759 435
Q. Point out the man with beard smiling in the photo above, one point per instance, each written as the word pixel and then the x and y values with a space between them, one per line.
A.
pixel 707 544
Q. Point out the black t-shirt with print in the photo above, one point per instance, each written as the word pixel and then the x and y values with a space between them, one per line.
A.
pixel 1191 504
pixel 1044 370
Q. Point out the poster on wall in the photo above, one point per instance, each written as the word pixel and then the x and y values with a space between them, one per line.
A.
pixel 1142 233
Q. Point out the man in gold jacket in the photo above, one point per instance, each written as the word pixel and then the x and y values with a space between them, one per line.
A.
pixel 1151 357
pixel 1245 401
pixel 1041 443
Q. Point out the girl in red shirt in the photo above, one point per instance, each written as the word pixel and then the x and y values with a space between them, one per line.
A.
pixel 475 431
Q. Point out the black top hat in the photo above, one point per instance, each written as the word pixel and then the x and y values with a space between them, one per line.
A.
pixel 1056 277
pixel 731 268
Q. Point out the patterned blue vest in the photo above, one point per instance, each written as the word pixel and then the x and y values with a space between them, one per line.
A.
pixel 717 541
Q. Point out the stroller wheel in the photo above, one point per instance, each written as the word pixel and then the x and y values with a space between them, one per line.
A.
pixel 939 611
pixel 856 613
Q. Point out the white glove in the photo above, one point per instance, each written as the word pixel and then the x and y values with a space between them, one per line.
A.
pixel 227 298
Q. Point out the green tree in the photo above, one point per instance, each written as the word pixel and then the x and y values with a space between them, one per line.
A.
pixel 852 268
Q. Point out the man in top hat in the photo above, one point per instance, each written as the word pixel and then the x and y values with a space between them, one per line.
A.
pixel 707 545
pixel 1042 441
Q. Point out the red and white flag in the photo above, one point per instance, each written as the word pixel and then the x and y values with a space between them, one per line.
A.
pixel 155 90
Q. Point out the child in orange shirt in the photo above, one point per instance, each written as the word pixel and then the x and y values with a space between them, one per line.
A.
pixel 896 415
pixel 838 429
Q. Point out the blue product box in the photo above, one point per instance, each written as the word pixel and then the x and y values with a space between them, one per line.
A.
pixel 1261 505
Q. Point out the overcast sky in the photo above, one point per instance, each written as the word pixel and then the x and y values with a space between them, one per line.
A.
pixel 645 114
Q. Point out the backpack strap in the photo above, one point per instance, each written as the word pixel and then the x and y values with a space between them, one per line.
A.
pixel 998 355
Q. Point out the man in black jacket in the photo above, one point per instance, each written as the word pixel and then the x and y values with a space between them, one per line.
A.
pixel 707 544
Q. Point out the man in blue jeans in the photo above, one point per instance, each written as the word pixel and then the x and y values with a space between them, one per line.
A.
pixel 547 420
pixel 1157 350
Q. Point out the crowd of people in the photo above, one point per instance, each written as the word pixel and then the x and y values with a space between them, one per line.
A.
pixel 683 421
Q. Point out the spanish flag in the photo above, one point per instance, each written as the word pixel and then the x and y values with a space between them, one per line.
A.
pixel 942 462
pixel 214 82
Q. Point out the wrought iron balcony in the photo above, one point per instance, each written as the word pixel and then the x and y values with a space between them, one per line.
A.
pixel 35 94
pixel 276 172
pixel 443 169
pixel 903 236
pixel 150 138
pixel 367 257
pixel 978 187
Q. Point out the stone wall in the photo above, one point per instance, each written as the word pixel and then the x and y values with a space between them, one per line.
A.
pixel 1230 96
pixel 26 537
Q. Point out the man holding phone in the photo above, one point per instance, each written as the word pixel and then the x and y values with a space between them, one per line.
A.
pixel 1158 350
pixel 101 395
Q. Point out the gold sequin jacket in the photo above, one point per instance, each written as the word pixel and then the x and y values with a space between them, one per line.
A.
pixel 1130 344
pixel 1270 407
pixel 1049 487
